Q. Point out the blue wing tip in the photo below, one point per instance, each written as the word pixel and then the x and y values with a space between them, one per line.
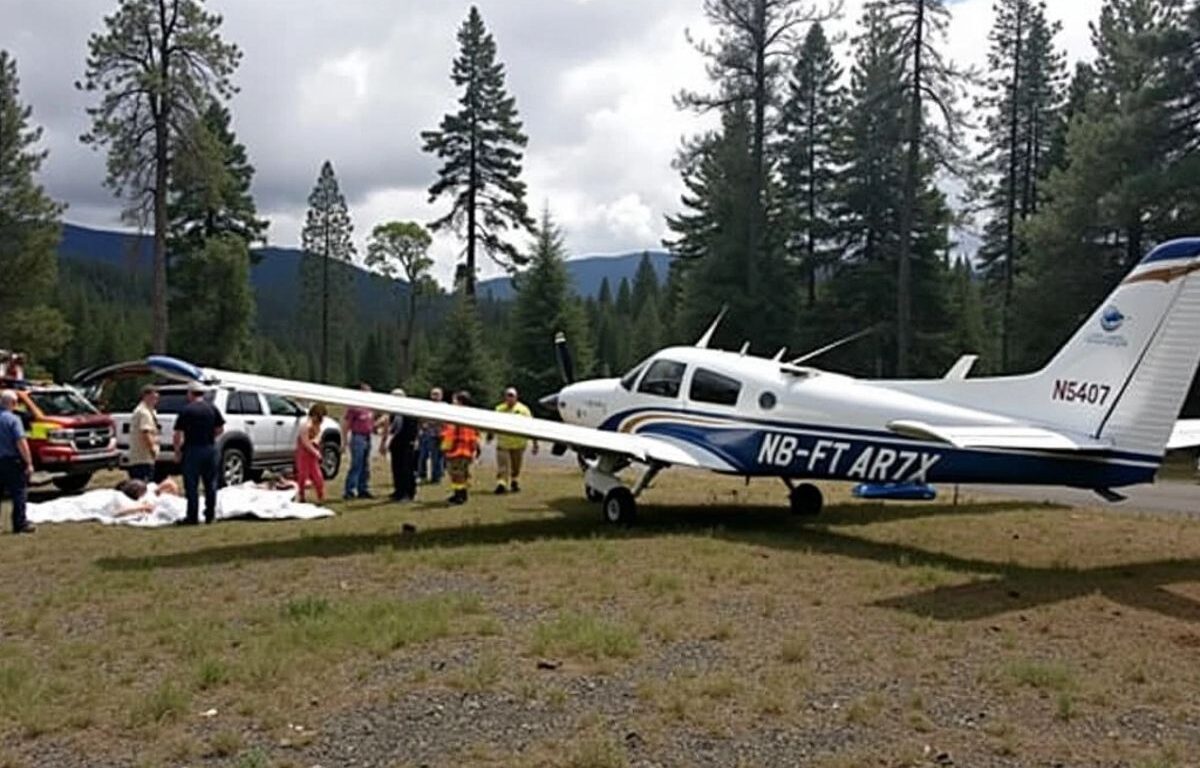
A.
pixel 1183 248
pixel 174 368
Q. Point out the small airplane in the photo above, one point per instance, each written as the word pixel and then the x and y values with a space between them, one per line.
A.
pixel 1098 416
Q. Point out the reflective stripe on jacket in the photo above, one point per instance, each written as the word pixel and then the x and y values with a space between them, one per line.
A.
pixel 459 442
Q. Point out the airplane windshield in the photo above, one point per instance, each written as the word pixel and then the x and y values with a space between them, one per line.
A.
pixel 628 380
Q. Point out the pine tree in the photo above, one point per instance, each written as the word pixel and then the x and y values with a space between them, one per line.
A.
pixel 1129 178
pixel 213 221
pixel 871 195
pixel 29 231
pixel 932 87
pixel 156 66
pixel 481 146
pixel 462 361
pixel 1021 102
pixel 545 305
pixel 753 35
pixel 645 284
pixel 212 325
pixel 397 250
pixel 326 281
pixel 811 126
pixel 210 189
pixel 710 241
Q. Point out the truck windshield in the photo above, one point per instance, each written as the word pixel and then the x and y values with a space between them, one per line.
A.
pixel 61 402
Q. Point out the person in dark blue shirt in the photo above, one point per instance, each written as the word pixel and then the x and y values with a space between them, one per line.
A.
pixel 16 463
pixel 197 428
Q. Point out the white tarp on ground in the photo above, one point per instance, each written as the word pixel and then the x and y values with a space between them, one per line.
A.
pixel 105 506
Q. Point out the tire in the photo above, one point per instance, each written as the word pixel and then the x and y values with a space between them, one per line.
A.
pixel 619 507
pixel 72 483
pixel 331 459
pixel 591 494
pixel 234 469
pixel 806 500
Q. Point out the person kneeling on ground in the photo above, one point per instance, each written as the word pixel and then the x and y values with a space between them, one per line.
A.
pixel 460 445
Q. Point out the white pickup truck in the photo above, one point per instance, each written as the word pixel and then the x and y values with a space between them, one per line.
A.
pixel 260 433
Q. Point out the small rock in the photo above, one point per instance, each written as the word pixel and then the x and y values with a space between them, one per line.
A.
pixel 1014 594
pixel 633 740
pixel 408 529
pixel 548 664
pixel 209 713
pixel 438 666
pixel 943 758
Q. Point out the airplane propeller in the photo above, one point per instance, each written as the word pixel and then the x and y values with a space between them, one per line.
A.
pixel 562 353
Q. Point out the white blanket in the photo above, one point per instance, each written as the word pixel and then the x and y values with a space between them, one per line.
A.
pixel 106 506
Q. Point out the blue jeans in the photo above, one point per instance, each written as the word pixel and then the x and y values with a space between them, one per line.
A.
pixel 430 461
pixel 200 464
pixel 359 475
pixel 14 484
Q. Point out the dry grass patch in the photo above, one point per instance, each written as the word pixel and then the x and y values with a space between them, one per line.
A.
pixel 584 636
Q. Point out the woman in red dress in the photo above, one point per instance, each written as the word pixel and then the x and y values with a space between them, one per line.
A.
pixel 308 453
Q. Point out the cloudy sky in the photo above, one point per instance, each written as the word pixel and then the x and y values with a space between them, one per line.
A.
pixel 355 81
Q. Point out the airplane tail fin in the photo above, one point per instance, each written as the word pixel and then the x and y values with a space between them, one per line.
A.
pixel 1124 375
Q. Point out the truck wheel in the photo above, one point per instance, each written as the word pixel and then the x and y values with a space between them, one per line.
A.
pixel 72 483
pixel 234 467
pixel 331 459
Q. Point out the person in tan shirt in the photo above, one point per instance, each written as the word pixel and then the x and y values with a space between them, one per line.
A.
pixel 144 432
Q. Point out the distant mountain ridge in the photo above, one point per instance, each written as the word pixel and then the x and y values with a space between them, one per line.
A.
pixel 276 275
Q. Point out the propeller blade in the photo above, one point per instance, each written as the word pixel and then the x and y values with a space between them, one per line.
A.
pixel 562 352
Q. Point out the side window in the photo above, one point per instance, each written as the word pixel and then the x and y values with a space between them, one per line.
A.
pixel 663 379
pixel 243 404
pixel 281 406
pixel 710 387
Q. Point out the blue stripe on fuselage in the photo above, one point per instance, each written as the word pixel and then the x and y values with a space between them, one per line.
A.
pixel 779 449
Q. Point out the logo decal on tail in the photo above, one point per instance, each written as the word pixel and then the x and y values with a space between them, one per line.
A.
pixel 1112 319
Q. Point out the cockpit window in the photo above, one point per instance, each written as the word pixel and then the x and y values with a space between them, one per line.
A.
pixel 629 379
pixel 663 379
pixel 711 387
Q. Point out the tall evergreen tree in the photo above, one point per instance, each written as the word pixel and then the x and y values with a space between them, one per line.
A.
pixel 481 146
pixel 326 280
pixel 156 66
pixel 210 188
pixel 1130 176
pixel 29 231
pixel 874 153
pixel 397 250
pixel 545 305
pixel 811 125
pixel 213 221
pixel 645 284
pixel 462 361
pixel 214 320
pixel 1021 102
pixel 932 131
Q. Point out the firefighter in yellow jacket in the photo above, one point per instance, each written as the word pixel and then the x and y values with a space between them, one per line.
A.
pixel 510 449
pixel 460 445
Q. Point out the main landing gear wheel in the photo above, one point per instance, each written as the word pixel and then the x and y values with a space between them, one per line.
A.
pixel 619 507
pixel 806 500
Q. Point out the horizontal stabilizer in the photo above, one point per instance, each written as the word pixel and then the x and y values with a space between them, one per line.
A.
pixel 1004 437
pixel 1186 434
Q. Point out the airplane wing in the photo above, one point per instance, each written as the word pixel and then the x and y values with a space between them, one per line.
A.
pixel 1006 436
pixel 1186 434
pixel 637 447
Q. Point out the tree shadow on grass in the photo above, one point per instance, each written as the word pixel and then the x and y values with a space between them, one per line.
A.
pixel 995 588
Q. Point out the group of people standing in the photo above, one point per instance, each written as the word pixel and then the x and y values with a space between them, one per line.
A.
pixel 418 450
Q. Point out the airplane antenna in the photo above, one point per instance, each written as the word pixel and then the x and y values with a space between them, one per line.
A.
pixel 707 337
pixel 846 340
pixel 779 355
pixel 745 349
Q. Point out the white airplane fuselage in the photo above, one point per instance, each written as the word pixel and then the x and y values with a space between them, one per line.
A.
pixel 803 423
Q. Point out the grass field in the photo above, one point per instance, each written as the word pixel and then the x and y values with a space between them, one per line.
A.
pixel 521 631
